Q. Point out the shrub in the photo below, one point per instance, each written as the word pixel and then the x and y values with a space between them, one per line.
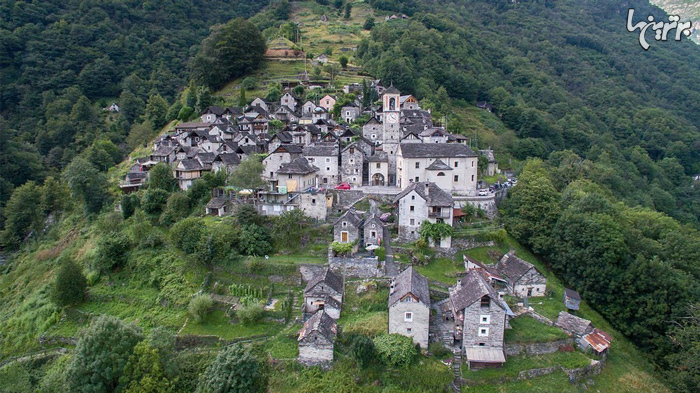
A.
pixel 69 285
pixel 341 248
pixel 257 240
pixel 249 83
pixel 362 349
pixel 251 312
pixel 395 349
pixel 439 351
pixel 199 307
pixel 187 234
pixel 233 370
pixel 112 251
pixel 153 200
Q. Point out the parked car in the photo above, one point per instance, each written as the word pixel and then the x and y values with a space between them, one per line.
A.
pixel 342 186
pixel 484 192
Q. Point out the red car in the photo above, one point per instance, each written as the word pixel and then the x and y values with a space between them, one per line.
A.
pixel 342 186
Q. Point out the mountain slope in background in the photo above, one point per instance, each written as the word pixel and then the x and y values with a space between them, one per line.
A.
pixel 688 10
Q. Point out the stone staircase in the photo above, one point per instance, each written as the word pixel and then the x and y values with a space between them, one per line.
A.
pixel 457 370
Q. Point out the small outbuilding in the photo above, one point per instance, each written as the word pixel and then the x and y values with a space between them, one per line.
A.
pixel 316 339
pixel 572 299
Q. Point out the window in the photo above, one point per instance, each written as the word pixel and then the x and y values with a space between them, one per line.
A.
pixel 379 165
pixel 472 163
pixel 483 332
pixel 272 174
pixel 413 222
pixel 485 319
pixel 408 317
pixel 456 178
pixel 441 174
pixel 456 164
pixel 485 301
pixel 352 161
pixel 328 159
pixel 373 234
pixel 313 201
pixel 408 330
pixel 374 136
pixel 413 197
pixel 352 150
pixel 328 169
pixel 345 224
pixel 417 165
pixel 472 177
pixel 289 176
pixel 417 179
pixel 412 208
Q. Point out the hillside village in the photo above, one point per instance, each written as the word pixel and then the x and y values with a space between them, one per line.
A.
pixel 318 164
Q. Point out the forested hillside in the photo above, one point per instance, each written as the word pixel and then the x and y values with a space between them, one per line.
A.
pixel 562 74
pixel 62 61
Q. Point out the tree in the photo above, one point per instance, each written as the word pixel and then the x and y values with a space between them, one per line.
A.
pixel 112 251
pixel 101 354
pixel 684 374
pixel 186 235
pixel 22 214
pixel 257 240
pixel 185 113
pixel 234 370
pixel 369 23
pixel 131 106
pixel 69 285
pixel 434 231
pixel 87 183
pixel 395 349
pixel 199 307
pixel 156 110
pixel 249 83
pixel 242 102
pixel 289 228
pixel 161 177
pixel 348 10
pixel 231 50
pixel 177 208
pixel 343 61
pixel 247 175
pixel 273 94
pixel 144 371
pixel 153 200
pixel 129 203
pixel 251 312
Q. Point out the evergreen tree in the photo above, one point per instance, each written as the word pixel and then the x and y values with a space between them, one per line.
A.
pixel 69 285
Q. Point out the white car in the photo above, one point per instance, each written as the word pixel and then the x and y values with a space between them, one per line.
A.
pixel 484 192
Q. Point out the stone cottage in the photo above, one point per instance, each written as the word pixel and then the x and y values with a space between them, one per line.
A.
pixel 409 306
pixel 316 339
pixel 572 299
pixel 420 202
pixel 323 292
pixel 348 228
pixel 373 230
pixel 480 319
pixel 352 160
pixel 524 280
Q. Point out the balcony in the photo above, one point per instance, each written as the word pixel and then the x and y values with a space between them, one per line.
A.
pixel 441 214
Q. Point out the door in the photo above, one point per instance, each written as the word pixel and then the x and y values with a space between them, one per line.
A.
pixel 343 237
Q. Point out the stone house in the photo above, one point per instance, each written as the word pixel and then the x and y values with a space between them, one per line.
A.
pixel 409 306
pixel 316 339
pixel 212 114
pixel 378 169
pixel 409 102
pixel 414 160
pixel 308 107
pixel 434 135
pixel 187 171
pixel 420 202
pixel 327 102
pixel 289 101
pixel 283 154
pixel 480 320
pixel 573 325
pixel 572 299
pixel 323 292
pixel 524 280
pixel 315 205
pixel 260 103
pixel 326 158
pixel 348 228
pixel 297 175
pixel 350 112
pixel 372 130
pixel 225 162
pixel 280 138
pixel 352 160
pixel 492 168
pixel 373 230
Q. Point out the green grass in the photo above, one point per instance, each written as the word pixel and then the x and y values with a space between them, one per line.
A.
pixel 443 270
pixel 515 364
pixel 529 330
pixel 367 312
pixel 557 382
pixel 296 259
pixel 284 345
pixel 218 324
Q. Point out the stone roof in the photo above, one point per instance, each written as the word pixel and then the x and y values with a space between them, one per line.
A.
pixel 229 158
pixel 327 277
pixel 283 136
pixel 206 158
pixel 321 151
pixel 513 267
pixel 321 323
pixel 571 294
pixel 439 165
pixel 430 192
pixel 351 215
pixel 190 164
pixel 428 150
pixel 288 148
pixel 471 289
pixel 163 150
pixel 298 166
pixel 216 203
pixel 218 111
pixel 380 156
pixel 410 281
pixel 391 90
pixel 573 324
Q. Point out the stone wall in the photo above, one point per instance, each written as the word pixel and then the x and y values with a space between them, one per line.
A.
pixel 537 348
pixel 419 323
pixel 575 375
pixel 357 267
pixel 343 199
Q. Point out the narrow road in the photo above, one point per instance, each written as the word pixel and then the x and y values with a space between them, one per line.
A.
pixel 391 269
